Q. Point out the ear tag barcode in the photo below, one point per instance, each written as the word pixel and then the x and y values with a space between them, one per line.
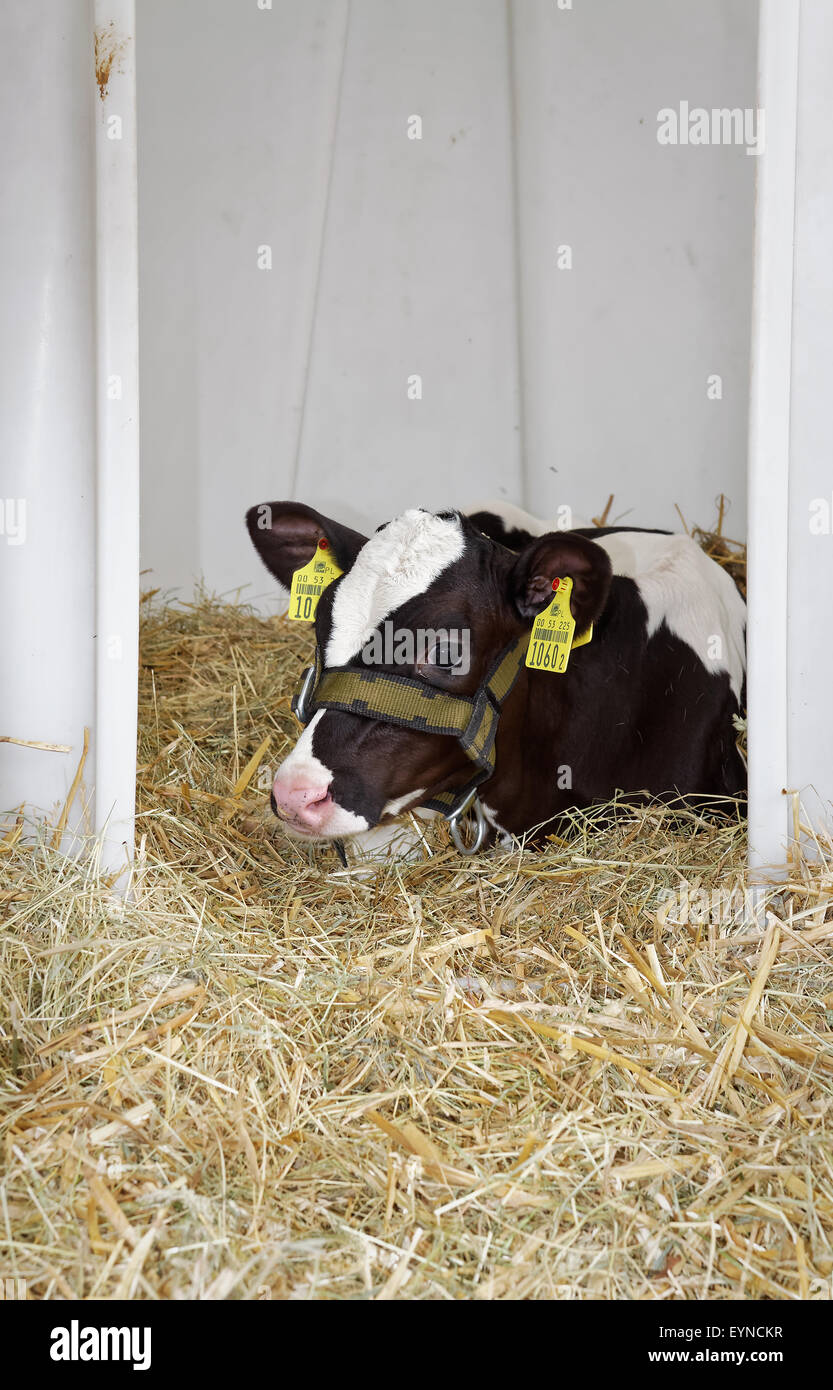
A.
pixel 309 583
pixel 552 632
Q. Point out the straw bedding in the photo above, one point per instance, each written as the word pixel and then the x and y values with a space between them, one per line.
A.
pixel 518 1076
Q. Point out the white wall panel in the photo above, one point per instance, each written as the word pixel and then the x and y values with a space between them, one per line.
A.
pixel 237 110
pixel 617 350
pixel 418 272
pixel 393 257
pixel 47 396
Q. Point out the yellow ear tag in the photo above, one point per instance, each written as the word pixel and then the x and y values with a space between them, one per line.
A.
pixel 552 632
pixel 586 636
pixel 310 581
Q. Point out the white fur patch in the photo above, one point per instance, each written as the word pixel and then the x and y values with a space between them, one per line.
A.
pixel 681 586
pixel 302 766
pixel 368 853
pixel 397 563
pixel 302 763
pixel 504 838
pixel 385 842
pixel 393 808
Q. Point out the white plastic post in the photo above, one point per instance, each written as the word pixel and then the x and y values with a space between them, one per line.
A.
pixel 117 411
pixel 769 437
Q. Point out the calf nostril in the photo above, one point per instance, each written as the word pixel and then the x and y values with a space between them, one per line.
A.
pixel 313 812
pixel 300 803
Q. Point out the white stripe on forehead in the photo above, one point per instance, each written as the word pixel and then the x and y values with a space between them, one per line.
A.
pixel 397 563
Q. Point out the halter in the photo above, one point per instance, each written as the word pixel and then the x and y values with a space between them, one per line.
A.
pixel 411 704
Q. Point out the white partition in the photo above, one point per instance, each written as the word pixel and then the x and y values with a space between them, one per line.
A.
pixel 809 631
pixel 791 437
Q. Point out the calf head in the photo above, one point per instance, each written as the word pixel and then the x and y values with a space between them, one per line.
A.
pixel 428 597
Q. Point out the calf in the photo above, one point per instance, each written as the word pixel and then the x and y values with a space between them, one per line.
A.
pixel 643 707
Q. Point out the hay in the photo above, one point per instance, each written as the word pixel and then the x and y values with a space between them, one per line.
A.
pixel 730 555
pixel 511 1077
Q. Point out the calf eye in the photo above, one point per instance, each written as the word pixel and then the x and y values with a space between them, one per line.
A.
pixel 448 657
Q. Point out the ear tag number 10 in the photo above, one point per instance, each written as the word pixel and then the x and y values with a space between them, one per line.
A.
pixel 552 632
pixel 310 581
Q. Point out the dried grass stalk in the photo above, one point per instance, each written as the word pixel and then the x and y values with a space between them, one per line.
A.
pixel 525 1076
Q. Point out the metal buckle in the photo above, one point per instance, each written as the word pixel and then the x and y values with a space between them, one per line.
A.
pixel 472 803
pixel 299 701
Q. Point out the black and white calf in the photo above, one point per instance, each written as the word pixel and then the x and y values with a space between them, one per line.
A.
pixel 645 707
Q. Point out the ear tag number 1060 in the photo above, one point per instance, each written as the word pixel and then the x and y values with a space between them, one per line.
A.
pixel 309 583
pixel 552 632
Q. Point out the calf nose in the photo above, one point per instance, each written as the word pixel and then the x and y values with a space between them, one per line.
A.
pixel 306 803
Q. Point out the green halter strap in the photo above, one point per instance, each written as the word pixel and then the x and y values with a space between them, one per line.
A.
pixel 412 704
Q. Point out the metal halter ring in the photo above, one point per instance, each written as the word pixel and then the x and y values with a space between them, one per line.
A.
pixel 481 825
pixel 299 702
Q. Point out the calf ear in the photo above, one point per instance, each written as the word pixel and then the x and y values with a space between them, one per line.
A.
pixel 558 555
pixel 285 536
